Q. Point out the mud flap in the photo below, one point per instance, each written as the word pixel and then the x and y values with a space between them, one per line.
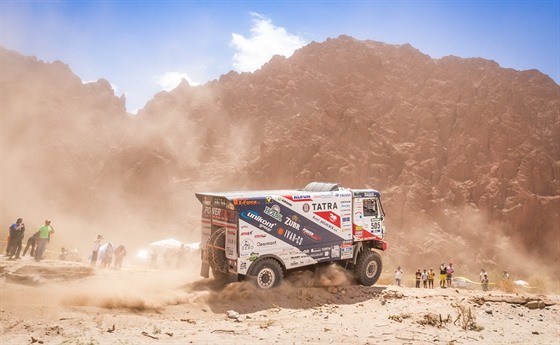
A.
pixel 205 270
pixel 232 277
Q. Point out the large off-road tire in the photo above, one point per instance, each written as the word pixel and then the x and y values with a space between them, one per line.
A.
pixel 267 273
pixel 217 254
pixel 368 267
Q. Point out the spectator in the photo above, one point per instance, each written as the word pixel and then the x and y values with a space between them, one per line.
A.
pixel 17 232
pixel 442 275
pixel 418 276
pixel 44 237
pixel 425 278
pixel 449 274
pixel 398 276
pixel 120 253
pixel 31 242
pixel 431 276
pixel 95 250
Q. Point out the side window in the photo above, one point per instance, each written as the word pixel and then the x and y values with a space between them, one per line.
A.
pixel 370 208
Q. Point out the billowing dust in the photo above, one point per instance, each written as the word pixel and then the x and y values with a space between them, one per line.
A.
pixel 151 291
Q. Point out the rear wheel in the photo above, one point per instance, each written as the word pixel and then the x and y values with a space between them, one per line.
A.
pixel 368 267
pixel 268 273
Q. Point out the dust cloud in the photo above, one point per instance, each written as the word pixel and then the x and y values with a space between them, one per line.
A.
pixel 465 237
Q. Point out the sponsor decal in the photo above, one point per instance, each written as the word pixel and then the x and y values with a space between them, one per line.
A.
pixel 306 207
pixel 243 265
pixel 238 202
pixel 247 245
pixel 346 252
pixel 345 219
pixel 253 256
pixel 218 212
pixel 266 244
pixel 292 222
pixel 335 251
pixel 246 233
pixel 311 234
pixel 320 255
pixel 260 235
pixel 324 206
pixel 331 217
pixel 290 236
pixel 219 202
pixel 301 197
pixel 274 212
pixel 264 224
pixel 284 201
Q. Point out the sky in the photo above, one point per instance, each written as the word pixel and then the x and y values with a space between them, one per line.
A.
pixel 145 47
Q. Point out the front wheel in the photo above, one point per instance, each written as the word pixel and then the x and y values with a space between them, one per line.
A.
pixel 368 267
pixel 268 273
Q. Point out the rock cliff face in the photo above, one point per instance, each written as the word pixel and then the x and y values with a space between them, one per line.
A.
pixel 466 153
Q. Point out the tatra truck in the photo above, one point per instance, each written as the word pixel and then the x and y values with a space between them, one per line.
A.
pixel 266 234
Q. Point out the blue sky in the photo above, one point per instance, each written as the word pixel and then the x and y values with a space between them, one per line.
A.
pixel 143 47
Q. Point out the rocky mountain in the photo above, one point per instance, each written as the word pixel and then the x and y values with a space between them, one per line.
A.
pixel 466 153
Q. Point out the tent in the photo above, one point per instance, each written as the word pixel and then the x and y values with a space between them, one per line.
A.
pixel 168 243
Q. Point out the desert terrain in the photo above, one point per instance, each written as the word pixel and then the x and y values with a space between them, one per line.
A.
pixel 61 302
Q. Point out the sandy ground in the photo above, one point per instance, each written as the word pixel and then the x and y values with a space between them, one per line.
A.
pixel 57 302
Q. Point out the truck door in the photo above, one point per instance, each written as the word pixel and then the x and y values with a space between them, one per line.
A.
pixel 368 219
pixel 372 218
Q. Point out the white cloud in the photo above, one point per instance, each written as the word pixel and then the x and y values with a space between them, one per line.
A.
pixel 171 80
pixel 266 41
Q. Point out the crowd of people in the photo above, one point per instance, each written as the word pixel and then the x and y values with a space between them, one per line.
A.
pixel 36 242
pixel 37 245
pixel 106 253
pixel 425 278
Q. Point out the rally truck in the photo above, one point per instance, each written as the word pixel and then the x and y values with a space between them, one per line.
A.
pixel 266 234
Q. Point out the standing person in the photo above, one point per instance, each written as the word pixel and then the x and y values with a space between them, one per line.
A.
pixel 120 253
pixel 485 282
pixel 449 274
pixel 484 279
pixel 398 276
pixel 418 276
pixel 505 275
pixel 425 278
pixel 431 276
pixel 31 242
pixel 107 256
pixel 17 232
pixel 442 275
pixel 95 250
pixel 44 236
pixel 13 229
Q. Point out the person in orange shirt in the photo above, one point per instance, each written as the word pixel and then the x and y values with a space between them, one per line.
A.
pixel 431 276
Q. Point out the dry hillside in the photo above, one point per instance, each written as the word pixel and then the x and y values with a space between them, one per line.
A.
pixel 465 152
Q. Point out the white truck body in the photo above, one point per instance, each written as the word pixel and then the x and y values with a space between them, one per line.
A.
pixel 298 228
